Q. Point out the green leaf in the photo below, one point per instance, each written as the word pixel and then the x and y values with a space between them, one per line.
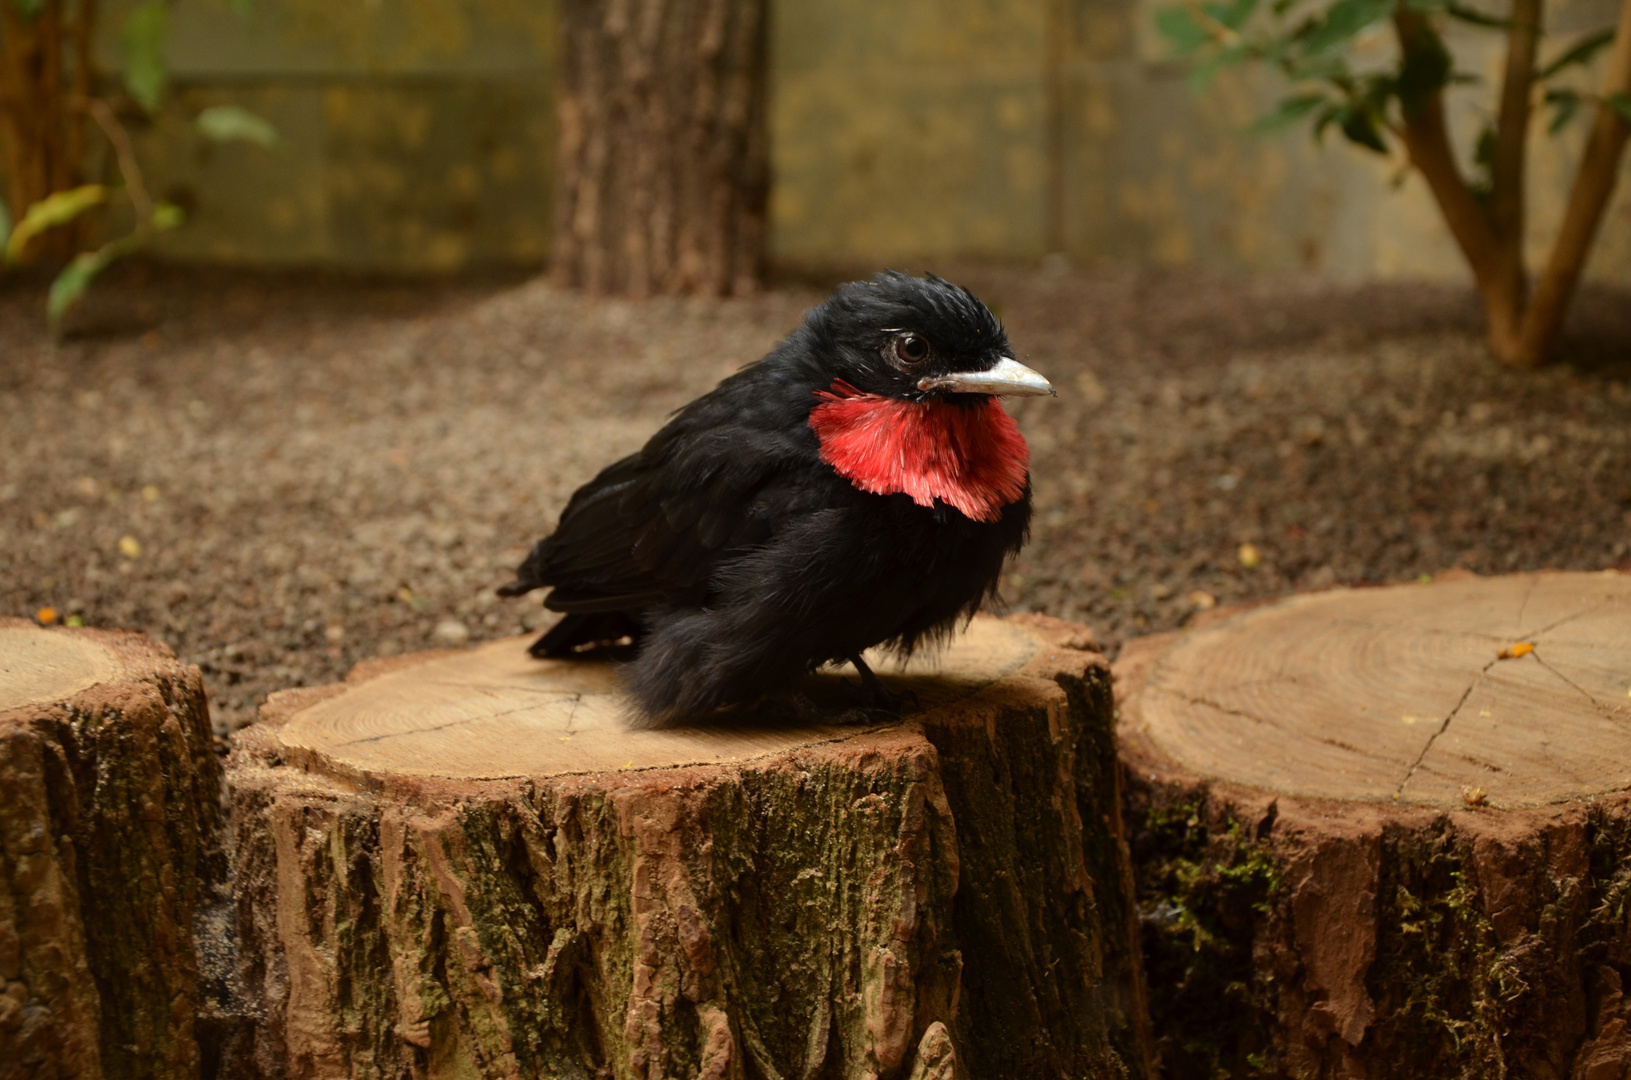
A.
pixel 1583 51
pixel 70 285
pixel 1620 103
pixel 1232 15
pixel 1201 77
pixel 143 42
pixel 225 123
pixel 1475 17
pixel 1342 21
pixel 1326 118
pixel 1178 26
pixel 166 216
pixel 1287 112
pixel 53 210
pixel 1425 68
pixel 1564 103
pixel 1359 125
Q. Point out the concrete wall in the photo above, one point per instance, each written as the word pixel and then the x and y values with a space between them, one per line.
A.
pixel 417 134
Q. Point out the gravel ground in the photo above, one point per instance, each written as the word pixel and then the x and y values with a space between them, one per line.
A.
pixel 282 475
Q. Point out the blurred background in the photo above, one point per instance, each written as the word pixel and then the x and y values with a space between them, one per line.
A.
pixel 317 311
pixel 419 135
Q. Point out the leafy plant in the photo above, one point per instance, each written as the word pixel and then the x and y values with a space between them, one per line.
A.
pixel 1398 104
pixel 49 90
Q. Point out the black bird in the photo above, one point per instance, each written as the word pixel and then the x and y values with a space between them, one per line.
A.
pixel 860 485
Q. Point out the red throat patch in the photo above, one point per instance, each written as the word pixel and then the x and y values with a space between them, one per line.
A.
pixel 969 457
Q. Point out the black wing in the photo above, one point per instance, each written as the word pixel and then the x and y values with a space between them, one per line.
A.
pixel 649 530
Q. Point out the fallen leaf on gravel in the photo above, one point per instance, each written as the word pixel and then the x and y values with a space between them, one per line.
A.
pixel 130 547
pixel 87 487
pixel 46 616
pixel 150 493
pixel 1512 652
pixel 1474 796
pixel 1249 555
pixel 74 621
pixel 1203 601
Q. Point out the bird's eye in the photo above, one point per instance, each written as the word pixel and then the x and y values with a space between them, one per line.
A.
pixel 910 350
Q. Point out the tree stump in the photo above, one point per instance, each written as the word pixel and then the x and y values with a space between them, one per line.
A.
pixel 1387 832
pixel 460 863
pixel 662 170
pixel 110 816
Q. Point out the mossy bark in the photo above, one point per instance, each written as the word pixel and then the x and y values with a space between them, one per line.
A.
pixel 1291 938
pixel 110 830
pixel 946 898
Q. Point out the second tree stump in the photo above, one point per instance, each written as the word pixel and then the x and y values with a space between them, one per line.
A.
pixel 460 863
pixel 1387 832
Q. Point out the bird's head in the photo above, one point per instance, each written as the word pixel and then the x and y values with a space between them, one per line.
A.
pixel 918 339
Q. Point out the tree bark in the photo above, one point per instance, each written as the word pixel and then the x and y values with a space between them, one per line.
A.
pixel 662 170
pixel 462 863
pixel 1522 329
pixel 110 829
pixel 1367 845
pixel 41 131
pixel 1594 185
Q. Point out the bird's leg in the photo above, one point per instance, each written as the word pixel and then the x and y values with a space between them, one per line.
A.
pixel 879 696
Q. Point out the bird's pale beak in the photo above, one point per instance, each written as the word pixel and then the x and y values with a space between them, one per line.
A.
pixel 1008 378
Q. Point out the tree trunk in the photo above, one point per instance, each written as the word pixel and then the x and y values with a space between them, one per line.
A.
pixel 42 134
pixel 462 863
pixel 1522 329
pixel 661 169
pixel 110 820
pixel 1369 845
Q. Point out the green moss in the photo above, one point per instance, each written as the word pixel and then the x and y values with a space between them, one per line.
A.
pixel 1443 990
pixel 1203 890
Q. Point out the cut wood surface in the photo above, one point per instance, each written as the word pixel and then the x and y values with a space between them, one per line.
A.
pixel 462 863
pixel 1404 692
pixel 494 711
pixel 110 856
pixel 1387 831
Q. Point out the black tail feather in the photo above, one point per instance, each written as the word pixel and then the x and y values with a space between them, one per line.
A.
pixel 583 632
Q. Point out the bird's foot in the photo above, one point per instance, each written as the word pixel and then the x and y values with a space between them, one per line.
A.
pixel 878 697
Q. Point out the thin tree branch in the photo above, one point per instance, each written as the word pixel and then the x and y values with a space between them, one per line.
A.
pixel 126 153
pixel 1427 141
pixel 1512 122
pixel 1593 187
pixel 1506 201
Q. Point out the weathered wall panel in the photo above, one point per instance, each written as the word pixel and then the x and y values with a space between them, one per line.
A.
pixel 417 134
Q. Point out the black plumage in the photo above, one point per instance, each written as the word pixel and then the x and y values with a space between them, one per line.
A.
pixel 737 559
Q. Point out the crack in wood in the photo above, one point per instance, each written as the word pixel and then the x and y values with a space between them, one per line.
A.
pixel 1442 728
pixel 1549 627
pixel 449 724
pixel 1534 582
pixel 1603 710
pixel 1193 699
